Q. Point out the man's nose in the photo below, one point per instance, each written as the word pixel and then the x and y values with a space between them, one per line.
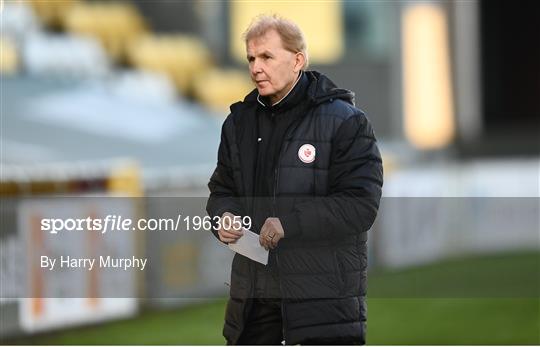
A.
pixel 256 67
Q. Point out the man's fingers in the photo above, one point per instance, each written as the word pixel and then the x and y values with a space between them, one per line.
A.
pixel 274 242
pixel 265 241
pixel 270 235
pixel 227 237
pixel 230 235
pixel 263 229
pixel 264 244
pixel 262 236
pixel 230 222
pixel 236 233
pixel 227 240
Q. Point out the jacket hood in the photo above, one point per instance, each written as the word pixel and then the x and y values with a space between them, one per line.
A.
pixel 320 89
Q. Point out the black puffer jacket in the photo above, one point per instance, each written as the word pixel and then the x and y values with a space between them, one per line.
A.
pixel 333 202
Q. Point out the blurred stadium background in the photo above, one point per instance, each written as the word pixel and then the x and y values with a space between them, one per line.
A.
pixel 127 99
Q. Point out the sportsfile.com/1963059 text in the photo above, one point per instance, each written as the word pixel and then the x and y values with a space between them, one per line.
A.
pixel 118 223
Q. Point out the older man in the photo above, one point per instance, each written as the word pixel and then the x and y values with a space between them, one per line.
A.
pixel 301 160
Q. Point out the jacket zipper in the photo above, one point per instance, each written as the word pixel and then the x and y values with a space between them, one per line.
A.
pixel 276 170
pixel 276 182
pixel 283 320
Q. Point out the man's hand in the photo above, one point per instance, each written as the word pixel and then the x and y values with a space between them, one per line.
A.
pixel 229 231
pixel 271 233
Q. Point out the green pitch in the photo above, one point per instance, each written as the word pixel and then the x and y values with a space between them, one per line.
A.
pixel 491 300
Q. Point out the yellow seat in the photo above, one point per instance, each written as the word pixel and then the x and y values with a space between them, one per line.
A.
pixel 115 25
pixel 52 12
pixel 179 57
pixel 218 89
pixel 9 57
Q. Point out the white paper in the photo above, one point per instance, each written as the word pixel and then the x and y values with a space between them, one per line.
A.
pixel 248 245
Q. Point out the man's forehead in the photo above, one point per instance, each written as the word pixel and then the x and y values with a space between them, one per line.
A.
pixel 270 40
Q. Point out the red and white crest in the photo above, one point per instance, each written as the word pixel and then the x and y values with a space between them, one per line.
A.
pixel 306 153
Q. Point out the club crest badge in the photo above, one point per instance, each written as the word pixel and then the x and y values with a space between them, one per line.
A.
pixel 306 153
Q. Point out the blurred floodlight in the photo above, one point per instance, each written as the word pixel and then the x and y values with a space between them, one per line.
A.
pixel 427 89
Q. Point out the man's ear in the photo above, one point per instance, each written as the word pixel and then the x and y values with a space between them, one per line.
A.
pixel 299 61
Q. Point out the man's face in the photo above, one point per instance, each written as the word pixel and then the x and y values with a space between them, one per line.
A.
pixel 273 69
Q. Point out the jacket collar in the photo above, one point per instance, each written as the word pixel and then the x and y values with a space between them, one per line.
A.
pixel 317 87
pixel 292 98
